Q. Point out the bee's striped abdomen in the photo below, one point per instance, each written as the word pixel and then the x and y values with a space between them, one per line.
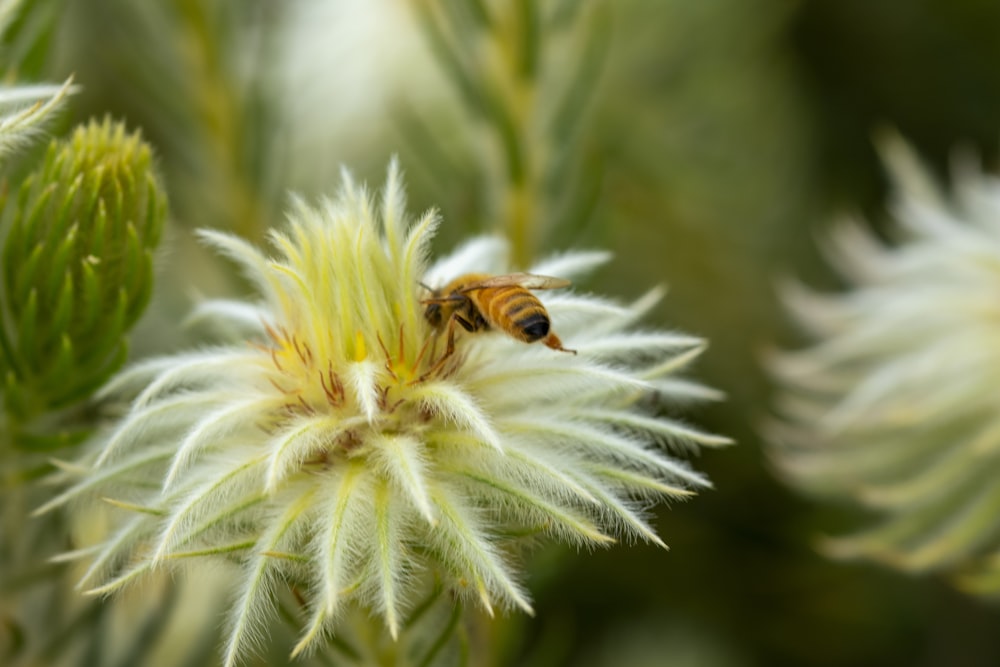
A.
pixel 518 312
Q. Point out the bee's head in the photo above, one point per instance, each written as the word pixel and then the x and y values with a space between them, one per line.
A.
pixel 432 309
pixel 433 315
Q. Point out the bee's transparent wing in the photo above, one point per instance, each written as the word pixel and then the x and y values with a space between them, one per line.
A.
pixel 525 280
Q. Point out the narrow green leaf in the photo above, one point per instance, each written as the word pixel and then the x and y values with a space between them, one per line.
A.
pixel 141 290
pixel 102 235
pixel 507 131
pixel 109 336
pixel 213 551
pixel 58 264
pixel 425 606
pixel 12 249
pixel 133 254
pixel 442 639
pixel 583 82
pixel 34 216
pixel 9 361
pixel 27 331
pixel 61 312
pixel 93 204
pixel 449 58
pixel 480 13
pixel 15 399
pixel 86 384
pixel 59 366
pixel 140 643
pixel 28 268
pixel 527 13
pixel 65 216
pixel 117 204
pixel 90 295
pixel 156 211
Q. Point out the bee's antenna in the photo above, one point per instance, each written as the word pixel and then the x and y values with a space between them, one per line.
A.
pixel 424 285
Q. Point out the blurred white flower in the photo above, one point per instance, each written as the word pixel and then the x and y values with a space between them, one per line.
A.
pixel 330 114
pixel 336 455
pixel 897 404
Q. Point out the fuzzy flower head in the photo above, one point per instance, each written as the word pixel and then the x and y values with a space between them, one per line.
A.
pixel 340 455
pixel 896 406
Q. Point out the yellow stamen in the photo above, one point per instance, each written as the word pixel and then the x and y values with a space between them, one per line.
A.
pixel 360 352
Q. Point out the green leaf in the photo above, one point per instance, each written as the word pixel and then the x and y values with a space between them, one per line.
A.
pixel 62 312
pixel 24 279
pixel 62 361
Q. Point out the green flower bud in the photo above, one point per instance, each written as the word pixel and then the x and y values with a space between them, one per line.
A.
pixel 77 265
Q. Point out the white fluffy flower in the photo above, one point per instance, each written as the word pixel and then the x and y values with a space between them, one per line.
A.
pixel 335 455
pixel 897 404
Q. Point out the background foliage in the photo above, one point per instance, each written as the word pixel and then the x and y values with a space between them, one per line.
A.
pixel 704 142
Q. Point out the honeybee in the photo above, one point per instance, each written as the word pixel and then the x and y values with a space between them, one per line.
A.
pixel 480 302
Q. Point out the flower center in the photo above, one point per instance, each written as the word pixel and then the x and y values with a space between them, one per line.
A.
pixel 374 391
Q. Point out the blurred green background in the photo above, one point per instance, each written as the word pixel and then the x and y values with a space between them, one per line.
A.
pixel 707 143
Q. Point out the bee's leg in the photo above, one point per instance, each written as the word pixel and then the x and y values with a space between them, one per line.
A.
pixel 466 324
pixel 449 348
pixel 553 342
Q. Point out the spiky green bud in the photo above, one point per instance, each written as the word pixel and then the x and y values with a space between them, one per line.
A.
pixel 77 265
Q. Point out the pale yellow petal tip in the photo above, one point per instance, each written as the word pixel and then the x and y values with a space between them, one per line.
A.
pixel 132 507
pixel 484 599
pixel 526 607
pixel 106 589
pixel 70 556
pixel 298 649
pixel 43 509
pixel 69 466
pixel 853 548
pixel 836 548
pixel 306 643
pixel 602 539
pixel 982 579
